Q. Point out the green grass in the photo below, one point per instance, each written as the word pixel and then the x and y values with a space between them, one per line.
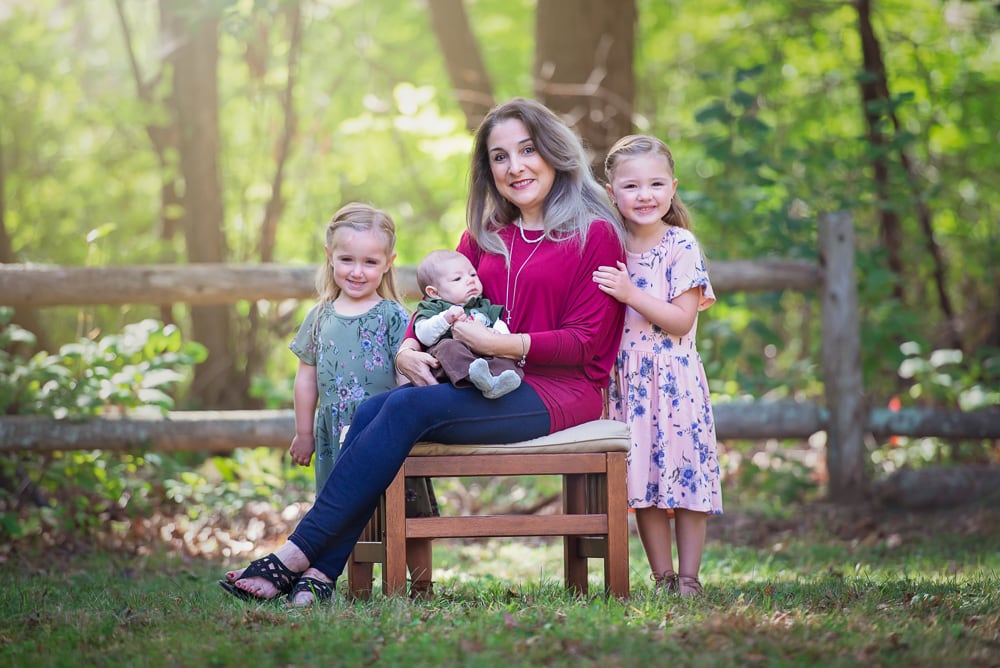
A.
pixel 802 597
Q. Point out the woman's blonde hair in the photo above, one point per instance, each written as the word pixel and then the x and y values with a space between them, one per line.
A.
pixel 575 200
pixel 361 218
pixel 630 146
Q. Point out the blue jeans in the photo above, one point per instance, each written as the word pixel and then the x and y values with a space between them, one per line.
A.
pixel 384 429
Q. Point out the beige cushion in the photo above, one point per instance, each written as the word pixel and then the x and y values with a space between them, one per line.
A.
pixel 594 436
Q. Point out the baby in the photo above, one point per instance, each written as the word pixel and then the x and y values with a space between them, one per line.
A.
pixel 452 291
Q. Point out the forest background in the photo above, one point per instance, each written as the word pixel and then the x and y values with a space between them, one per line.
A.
pixel 139 132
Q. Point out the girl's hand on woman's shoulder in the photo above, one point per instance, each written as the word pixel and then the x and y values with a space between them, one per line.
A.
pixel 615 281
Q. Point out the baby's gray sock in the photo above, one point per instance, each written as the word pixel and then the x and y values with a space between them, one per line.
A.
pixel 479 374
pixel 507 381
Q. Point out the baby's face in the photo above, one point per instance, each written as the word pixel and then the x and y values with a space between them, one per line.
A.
pixel 458 281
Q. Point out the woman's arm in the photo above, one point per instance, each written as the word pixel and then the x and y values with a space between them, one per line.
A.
pixel 487 341
pixel 588 324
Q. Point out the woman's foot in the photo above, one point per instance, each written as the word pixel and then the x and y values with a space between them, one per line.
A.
pixel 311 588
pixel 271 577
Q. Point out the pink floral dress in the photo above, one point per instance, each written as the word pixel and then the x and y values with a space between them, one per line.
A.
pixel 659 388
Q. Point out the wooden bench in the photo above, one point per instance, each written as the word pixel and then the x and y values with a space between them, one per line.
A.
pixel 593 522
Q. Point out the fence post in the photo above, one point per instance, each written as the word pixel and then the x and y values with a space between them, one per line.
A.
pixel 841 337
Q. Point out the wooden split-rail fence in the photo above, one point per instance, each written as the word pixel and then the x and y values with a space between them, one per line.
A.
pixel 844 416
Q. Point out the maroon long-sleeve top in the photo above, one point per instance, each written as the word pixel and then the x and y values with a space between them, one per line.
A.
pixel 575 328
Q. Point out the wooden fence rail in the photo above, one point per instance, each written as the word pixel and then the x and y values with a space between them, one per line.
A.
pixel 224 431
pixel 40 285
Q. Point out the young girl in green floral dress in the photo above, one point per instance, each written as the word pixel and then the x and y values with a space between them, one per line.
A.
pixel 345 348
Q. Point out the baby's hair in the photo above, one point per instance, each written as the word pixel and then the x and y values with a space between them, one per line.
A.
pixel 361 218
pixel 428 271
pixel 630 146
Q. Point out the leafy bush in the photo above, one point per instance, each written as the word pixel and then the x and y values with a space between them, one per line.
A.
pixel 83 490
pixel 133 369
pixel 942 378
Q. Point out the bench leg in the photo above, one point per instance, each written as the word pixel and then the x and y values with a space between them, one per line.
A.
pixel 369 550
pixel 394 569
pixel 616 562
pixel 574 562
pixel 359 579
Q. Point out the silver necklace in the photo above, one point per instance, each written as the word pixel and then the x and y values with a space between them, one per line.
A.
pixel 520 226
pixel 509 298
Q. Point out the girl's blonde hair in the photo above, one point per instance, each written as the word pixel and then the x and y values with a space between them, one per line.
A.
pixel 630 146
pixel 361 218
pixel 575 200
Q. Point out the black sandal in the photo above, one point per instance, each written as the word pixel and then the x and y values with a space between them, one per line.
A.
pixel 321 591
pixel 271 569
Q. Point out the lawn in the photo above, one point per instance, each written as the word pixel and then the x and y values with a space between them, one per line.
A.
pixel 817 586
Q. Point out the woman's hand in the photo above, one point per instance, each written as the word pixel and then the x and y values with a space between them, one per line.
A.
pixel 415 365
pixel 615 282
pixel 476 335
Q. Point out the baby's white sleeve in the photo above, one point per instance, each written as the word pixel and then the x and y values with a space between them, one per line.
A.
pixel 430 330
pixel 501 327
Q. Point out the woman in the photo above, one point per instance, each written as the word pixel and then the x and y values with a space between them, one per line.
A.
pixel 538 226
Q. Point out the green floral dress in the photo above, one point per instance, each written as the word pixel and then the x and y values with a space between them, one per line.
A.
pixel 353 356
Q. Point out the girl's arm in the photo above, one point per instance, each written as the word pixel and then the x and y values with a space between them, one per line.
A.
pixel 675 317
pixel 305 395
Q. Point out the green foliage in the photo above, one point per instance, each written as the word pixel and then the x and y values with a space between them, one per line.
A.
pixel 942 378
pixel 138 368
pixel 773 480
pixel 947 378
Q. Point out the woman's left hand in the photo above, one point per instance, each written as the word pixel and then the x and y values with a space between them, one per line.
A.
pixel 475 335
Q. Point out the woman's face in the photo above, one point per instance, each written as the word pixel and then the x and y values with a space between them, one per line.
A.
pixel 520 173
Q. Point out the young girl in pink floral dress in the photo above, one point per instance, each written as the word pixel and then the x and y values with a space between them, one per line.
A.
pixel 658 384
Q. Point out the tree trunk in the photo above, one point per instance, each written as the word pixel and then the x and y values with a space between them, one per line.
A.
pixel 276 203
pixel 163 138
pixel 217 382
pixel 469 80
pixel 584 70
pixel 874 101
pixel 875 89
